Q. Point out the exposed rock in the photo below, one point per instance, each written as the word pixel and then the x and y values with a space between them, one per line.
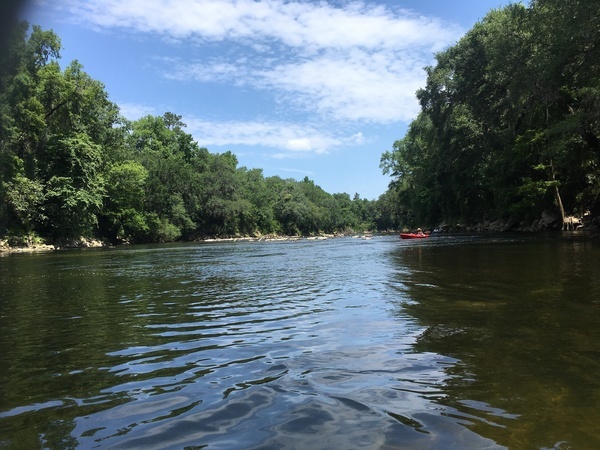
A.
pixel 34 247
pixel 79 243
pixel 498 225
pixel 38 245
pixel 548 221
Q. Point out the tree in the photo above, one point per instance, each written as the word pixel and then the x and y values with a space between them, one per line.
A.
pixel 54 129
pixel 74 187
pixel 254 188
pixel 509 119
pixel 222 209
pixel 71 166
pixel 124 215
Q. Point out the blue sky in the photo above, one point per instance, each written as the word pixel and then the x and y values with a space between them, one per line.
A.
pixel 304 88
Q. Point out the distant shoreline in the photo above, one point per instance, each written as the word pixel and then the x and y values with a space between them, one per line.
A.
pixel 92 243
pixel 442 230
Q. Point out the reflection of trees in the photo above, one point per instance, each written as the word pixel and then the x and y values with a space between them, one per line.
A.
pixel 55 337
pixel 62 317
pixel 523 319
pixel 82 332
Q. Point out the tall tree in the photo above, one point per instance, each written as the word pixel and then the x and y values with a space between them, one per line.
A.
pixel 74 186
pixel 509 120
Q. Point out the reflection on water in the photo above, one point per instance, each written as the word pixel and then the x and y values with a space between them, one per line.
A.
pixel 523 319
pixel 476 342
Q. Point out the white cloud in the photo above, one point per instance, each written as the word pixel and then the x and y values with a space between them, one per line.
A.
pixel 343 62
pixel 276 136
pixel 357 138
pixel 134 111
pixel 356 86
pixel 295 24
pixel 297 171
pixel 217 71
pixel 285 155
pixel 302 144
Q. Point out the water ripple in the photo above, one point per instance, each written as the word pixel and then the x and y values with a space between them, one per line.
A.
pixel 254 346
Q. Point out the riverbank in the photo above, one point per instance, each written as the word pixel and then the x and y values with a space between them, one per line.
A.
pixel 278 237
pixel 547 222
pixel 38 245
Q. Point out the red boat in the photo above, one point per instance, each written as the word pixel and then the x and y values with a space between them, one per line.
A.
pixel 413 236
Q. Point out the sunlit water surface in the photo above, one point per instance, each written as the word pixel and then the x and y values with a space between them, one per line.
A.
pixel 442 343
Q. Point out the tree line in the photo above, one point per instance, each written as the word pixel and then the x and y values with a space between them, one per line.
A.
pixel 71 166
pixel 509 128
pixel 509 125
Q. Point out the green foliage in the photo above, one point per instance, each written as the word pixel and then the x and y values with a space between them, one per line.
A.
pixel 161 229
pixel 23 198
pixel 71 167
pixel 24 240
pixel 123 212
pixel 71 210
pixel 518 93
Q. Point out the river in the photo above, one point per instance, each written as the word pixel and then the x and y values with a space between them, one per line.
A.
pixel 451 342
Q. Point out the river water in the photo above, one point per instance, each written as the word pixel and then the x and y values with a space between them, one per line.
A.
pixel 450 342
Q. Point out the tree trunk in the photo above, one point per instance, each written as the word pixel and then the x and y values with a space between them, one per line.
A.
pixel 557 196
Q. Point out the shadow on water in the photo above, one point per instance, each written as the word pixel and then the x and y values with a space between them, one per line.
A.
pixel 521 316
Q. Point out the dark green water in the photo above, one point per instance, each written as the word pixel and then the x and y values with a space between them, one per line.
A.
pixel 444 343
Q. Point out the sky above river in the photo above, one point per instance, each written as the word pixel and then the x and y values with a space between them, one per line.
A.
pixel 310 88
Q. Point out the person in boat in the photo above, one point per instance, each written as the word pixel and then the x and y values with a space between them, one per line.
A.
pixel 420 232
